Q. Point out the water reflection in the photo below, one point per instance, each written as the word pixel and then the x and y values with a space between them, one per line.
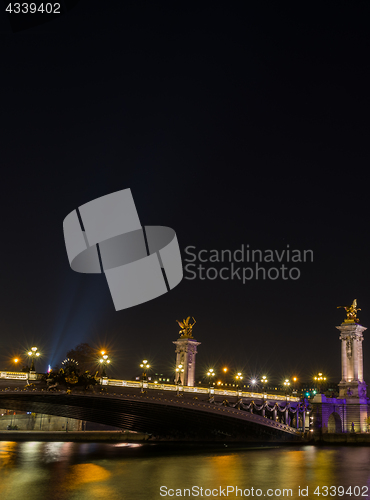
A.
pixel 64 471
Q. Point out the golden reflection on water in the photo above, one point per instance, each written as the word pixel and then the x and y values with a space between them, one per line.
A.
pixel 7 455
pixel 68 471
pixel 85 473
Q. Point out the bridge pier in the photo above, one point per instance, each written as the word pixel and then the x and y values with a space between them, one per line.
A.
pixel 350 411
pixel 338 415
pixel 186 350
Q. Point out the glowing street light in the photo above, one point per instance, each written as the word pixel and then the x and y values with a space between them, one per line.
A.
pixel 145 366
pixel 287 385
pixel 210 374
pixel 239 378
pixel 104 361
pixel 179 370
pixel 264 379
pixel 32 354
pixel 320 379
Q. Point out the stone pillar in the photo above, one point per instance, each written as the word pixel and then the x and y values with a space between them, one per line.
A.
pixel 344 362
pixel 287 416
pixel 186 349
pixel 274 413
pixel 304 419
pixel 352 384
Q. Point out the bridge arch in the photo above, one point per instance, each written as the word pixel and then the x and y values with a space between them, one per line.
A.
pixel 334 423
pixel 170 416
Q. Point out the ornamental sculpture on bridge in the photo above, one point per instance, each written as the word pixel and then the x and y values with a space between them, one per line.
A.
pixel 351 312
pixel 187 327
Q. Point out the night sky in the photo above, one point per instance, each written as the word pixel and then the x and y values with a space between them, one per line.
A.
pixel 233 126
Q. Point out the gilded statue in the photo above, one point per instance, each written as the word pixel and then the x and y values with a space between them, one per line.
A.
pixel 186 327
pixel 351 312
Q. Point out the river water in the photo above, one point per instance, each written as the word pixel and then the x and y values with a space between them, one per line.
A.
pixel 39 470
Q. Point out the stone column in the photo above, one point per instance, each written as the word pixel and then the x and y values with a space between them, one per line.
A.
pixel 344 361
pixel 186 349
pixel 355 348
pixel 360 362
pixel 352 384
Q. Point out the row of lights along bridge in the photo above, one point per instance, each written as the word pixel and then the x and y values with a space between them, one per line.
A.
pixel 211 375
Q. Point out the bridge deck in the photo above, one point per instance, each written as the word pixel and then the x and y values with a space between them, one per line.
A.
pixel 155 412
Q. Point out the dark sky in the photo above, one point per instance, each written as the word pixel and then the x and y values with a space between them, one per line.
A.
pixel 232 125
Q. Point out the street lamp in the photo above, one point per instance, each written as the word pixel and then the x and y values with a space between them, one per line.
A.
pixel 104 362
pixel 145 366
pixel 295 385
pixel 287 384
pixel 320 379
pixel 264 382
pixel 239 378
pixel 179 370
pixel 33 353
pixel 210 374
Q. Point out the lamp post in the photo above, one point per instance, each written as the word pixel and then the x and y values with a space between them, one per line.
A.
pixel 210 374
pixel 225 370
pixel 179 370
pixel 33 353
pixel 145 366
pixel 264 381
pixel 287 385
pixel 294 386
pixel 320 379
pixel 104 362
pixel 239 378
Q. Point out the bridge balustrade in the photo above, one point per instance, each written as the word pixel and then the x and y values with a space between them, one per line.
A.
pixel 163 387
pixel 200 390
pixel 14 375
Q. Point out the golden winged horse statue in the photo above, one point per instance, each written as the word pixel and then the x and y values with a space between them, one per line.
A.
pixel 186 327
pixel 351 312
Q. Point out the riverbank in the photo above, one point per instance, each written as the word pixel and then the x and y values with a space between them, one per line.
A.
pixel 131 437
pixel 74 436
pixel 361 438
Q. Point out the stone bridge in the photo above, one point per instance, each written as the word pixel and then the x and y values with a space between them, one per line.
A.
pixel 183 416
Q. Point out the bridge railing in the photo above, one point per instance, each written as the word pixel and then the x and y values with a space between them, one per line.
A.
pixel 199 390
pixel 14 375
pixel 163 387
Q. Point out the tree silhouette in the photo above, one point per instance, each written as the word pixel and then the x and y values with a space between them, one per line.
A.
pixel 85 355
